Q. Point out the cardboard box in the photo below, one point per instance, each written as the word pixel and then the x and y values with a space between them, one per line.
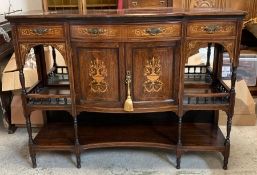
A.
pixel 11 82
pixel 238 119
pixel 18 118
pixel 10 77
pixel 244 113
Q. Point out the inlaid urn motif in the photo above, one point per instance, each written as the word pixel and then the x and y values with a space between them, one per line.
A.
pixel 152 73
pixel 98 73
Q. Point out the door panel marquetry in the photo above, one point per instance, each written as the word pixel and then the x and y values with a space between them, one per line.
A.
pixel 99 74
pixel 153 72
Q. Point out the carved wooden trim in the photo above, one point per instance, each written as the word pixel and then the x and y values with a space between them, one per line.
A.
pixel 205 3
pixel 25 48
pixel 192 47
pixel 202 3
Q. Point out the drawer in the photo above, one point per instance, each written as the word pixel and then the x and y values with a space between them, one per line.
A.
pixel 39 31
pixel 154 31
pixel 95 32
pixel 203 28
pixel 147 3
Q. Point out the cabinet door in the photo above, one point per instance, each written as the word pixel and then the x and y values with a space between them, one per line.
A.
pixel 98 69
pixel 155 73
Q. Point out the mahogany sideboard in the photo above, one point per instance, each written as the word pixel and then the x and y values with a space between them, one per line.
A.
pixel 129 62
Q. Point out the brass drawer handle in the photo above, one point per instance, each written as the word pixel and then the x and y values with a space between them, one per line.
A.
pixel 162 2
pixel 95 31
pixel 210 29
pixel 134 3
pixel 153 31
pixel 40 31
pixel 128 105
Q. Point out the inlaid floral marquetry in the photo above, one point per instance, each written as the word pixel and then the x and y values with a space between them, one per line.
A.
pixel 95 31
pixel 208 28
pixel 154 31
pixel 35 31
pixel 98 73
pixel 192 47
pixel 152 73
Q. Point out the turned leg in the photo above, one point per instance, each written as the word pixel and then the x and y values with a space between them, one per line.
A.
pixel 54 59
pixel 230 114
pixel 31 142
pixel 77 145
pixel 179 144
pixel 227 142
pixel 27 114
pixel 208 55
pixel 32 155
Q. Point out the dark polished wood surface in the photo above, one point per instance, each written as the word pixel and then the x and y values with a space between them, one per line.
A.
pixel 131 62
pixel 140 12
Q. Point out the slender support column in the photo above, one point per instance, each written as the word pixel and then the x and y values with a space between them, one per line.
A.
pixel 27 117
pixel 230 114
pixel 54 58
pixel 179 144
pixel 208 55
pixel 77 145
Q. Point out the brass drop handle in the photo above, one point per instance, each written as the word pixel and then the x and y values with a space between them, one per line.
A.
pixel 210 29
pixel 128 105
pixel 153 31
pixel 95 31
pixel 40 31
pixel 134 3
pixel 162 2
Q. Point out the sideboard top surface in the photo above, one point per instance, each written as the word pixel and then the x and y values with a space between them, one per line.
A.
pixel 128 13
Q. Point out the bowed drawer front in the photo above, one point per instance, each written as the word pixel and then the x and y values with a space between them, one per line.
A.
pixel 206 28
pixel 154 31
pixel 41 31
pixel 95 32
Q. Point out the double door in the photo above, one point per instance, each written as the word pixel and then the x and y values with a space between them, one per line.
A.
pixel 106 73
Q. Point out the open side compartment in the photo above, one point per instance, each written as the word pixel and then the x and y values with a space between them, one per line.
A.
pixel 204 87
pixel 52 88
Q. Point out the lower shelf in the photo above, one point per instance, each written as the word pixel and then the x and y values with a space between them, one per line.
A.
pixel 94 134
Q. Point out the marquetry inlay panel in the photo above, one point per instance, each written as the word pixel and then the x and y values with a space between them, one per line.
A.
pixel 203 28
pixel 152 73
pixel 192 47
pixel 98 73
pixel 38 31
pixel 154 31
pixel 96 32
pixel 25 48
